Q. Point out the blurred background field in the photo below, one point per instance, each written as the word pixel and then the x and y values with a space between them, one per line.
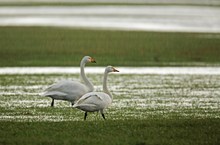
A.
pixel 122 33
pixel 46 46
pixel 149 108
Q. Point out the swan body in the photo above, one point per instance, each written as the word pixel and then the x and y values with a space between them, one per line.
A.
pixel 70 90
pixel 93 101
pixel 96 101
pixel 66 90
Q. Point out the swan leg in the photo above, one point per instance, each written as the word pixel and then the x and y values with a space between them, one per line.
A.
pixel 103 116
pixel 85 116
pixel 52 103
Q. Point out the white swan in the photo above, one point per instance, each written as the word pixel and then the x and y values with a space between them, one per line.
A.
pixel 70 90
pixel 96 101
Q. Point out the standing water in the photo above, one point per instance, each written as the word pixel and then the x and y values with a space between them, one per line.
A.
pixel 178 18
pixel 123 70
pixel 138 93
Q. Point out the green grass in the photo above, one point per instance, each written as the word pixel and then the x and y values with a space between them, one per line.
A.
pixel 51 46
pixel 117 132
pixel 146 110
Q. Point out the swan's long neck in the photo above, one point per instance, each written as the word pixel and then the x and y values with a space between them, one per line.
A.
pixel 83 75
pixel 105 88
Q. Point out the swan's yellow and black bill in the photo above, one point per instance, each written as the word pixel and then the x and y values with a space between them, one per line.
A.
pixel 115 70
pixel 92 60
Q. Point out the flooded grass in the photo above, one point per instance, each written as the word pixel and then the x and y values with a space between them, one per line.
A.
pixel 147 109
pixel 153 95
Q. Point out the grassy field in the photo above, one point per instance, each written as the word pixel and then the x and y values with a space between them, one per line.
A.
pixel 117 132
pixel 146 110
pixel 44 46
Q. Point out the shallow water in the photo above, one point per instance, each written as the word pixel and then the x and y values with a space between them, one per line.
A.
pixel 136 96
pixel 123 70
pixel 153 18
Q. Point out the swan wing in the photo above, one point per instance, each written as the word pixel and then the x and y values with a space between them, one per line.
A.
pixel 65 85
pixel 66 90
pixel 93 96
pixel 93 101
pixel 55 95
pixel 87 107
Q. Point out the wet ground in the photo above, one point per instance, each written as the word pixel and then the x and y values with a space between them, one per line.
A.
pixel 135 96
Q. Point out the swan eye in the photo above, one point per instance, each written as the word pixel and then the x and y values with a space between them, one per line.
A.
pixel 89 59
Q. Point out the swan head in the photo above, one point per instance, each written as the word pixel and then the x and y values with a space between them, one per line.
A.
pixel 109 69
pixel 87 59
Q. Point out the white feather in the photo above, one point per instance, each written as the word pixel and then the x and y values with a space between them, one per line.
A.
pixel 70 90
pixel 96 101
